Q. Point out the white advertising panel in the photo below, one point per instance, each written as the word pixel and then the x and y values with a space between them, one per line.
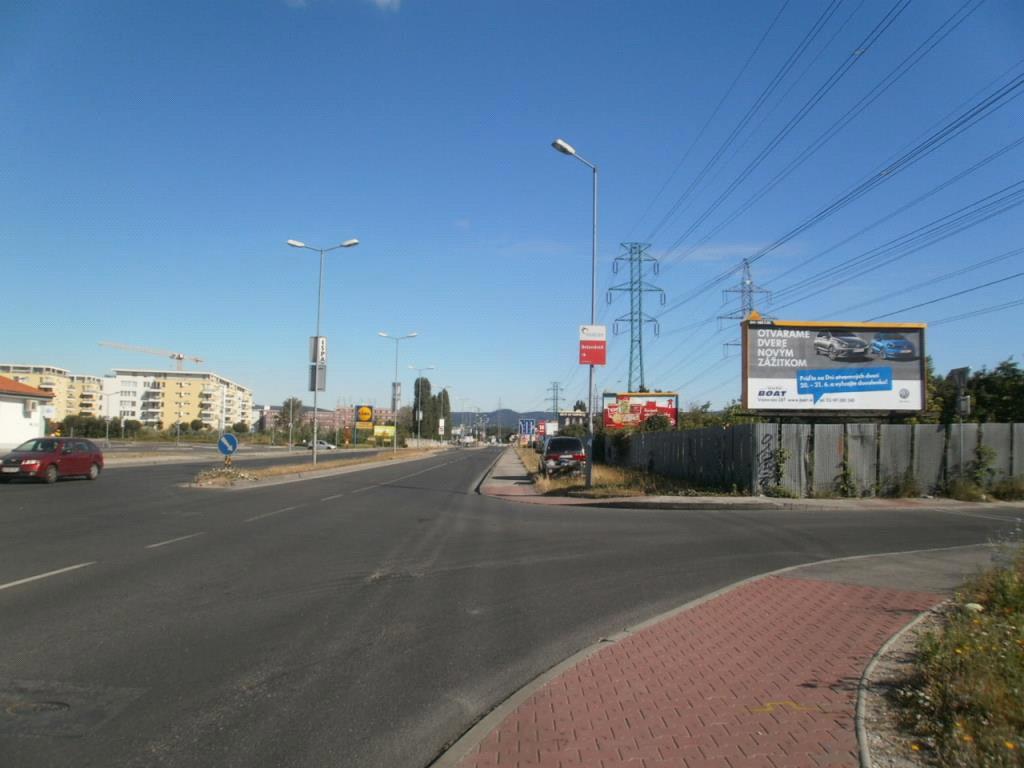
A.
pixel 812 366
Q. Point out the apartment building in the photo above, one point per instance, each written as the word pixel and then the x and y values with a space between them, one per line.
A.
pixel 50 379
pixel 161 398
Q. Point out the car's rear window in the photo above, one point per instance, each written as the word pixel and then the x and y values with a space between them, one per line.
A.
pixel 37 446
pixel 565 444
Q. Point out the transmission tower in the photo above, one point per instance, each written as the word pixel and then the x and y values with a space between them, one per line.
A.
pixel 635 254
pixel 748 291
pixel 555 390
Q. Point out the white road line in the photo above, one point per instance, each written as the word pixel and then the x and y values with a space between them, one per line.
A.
pixel 268 514
pixel 46 575
pixel 171 541
pixel 335 496
pixel 367 488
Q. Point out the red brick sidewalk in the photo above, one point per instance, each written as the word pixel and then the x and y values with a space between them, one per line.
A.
pixel 764 675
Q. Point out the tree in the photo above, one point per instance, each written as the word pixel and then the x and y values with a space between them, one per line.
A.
pixel 574 430
pixel 657 422
pixel 240 427
pixel 290 415
pixel 197 425
pixel 580 406
pixel 423 408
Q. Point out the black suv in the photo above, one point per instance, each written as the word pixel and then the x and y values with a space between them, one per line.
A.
pixel 562 454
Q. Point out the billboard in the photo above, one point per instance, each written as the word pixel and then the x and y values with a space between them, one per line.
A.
pixel 628 410
pixel 792 365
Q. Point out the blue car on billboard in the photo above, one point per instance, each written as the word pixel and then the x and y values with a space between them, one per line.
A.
pixel 892 346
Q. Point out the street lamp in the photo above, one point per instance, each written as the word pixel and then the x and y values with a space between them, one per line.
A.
pixel 567 149
pixel 394 384
pixel 319 300
pixel 419 402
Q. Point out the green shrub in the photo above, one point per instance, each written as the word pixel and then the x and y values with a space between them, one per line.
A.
pixel 1009 489
pixel 964 489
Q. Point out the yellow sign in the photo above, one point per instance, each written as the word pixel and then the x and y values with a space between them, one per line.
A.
pixel 384 430
pixel 364 425
pixel 364 413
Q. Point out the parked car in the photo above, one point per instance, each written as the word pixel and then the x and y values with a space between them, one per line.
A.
pixel 323 445
pixel 843 344
pixel 50 458
pixel 562 455
pixel 892 346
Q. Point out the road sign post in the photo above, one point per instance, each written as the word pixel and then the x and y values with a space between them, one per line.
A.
pixel 227 445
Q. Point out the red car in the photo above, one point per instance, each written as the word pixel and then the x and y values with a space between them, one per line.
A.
pixel 48 458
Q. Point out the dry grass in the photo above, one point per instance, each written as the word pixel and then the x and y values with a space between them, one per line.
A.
pixel 608 482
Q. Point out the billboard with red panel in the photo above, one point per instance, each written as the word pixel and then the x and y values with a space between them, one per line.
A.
pixel 629 410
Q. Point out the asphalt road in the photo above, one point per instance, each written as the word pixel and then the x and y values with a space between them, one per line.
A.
pixel 365 619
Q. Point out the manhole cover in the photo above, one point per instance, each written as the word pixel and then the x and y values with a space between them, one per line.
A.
pixel 53 708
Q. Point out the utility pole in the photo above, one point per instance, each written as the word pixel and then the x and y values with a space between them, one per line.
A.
pixel 637 257
pixel 748 292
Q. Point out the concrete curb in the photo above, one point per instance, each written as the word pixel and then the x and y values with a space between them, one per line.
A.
pixel 864 683
pixel 453 755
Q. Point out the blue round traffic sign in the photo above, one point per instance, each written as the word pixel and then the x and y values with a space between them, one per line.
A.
pixel 227 444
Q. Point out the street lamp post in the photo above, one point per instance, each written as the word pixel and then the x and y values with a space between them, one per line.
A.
pixel 394 383
pixel 419 401
pixel 567 149
pixel 319 300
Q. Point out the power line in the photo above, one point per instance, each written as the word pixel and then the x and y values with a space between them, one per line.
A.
pixel 765 94
pixel 961 123
pixel 977 312
pixel 883 85
pixel 948 296
pixel 830 83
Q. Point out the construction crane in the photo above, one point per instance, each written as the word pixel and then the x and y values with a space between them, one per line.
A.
pixel 178 357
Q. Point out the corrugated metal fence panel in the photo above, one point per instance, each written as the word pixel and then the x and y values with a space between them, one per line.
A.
pixel 895 451
pixel 766 441
pixel 997 437
pixel 1018 450
pixel 828 457
pixel 738 456
pixel 796 443
pixel 929 443
pixel 953 448
pixel 862 457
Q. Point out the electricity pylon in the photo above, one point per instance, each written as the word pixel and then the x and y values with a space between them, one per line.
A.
pixel 637 257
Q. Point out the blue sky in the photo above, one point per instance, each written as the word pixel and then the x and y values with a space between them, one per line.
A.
pixel 158 155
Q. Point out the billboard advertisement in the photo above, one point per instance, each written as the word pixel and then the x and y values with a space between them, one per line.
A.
pixel 792 365
pixel 629 410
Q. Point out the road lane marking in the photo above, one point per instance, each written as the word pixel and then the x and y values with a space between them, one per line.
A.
pixel 268 514
pixel 46 575
pixel 335 496
pixel 171 541
pixel 405 477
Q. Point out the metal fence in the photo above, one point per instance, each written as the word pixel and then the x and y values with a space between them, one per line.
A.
pixel 826 459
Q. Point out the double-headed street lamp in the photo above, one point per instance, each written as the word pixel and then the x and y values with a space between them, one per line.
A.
pixel 396 393
pixel 419 401
pixel 567 149
pixel 318 382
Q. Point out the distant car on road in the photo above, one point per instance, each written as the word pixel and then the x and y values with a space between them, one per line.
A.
pixel 841 345
pixel 892 346
pixel 50 458
pixel 323 445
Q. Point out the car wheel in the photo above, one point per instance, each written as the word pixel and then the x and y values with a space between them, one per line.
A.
pixel 50 476
pixel 94 471
pixel 4 480
pixel 832 353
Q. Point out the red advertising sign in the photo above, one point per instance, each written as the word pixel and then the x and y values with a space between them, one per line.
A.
pixel 593 353
pixel 629 410
pixel 593 346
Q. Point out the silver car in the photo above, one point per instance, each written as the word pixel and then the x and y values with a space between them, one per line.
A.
pixel 840 345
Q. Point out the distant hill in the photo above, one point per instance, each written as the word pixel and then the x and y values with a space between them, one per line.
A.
pixel 505 418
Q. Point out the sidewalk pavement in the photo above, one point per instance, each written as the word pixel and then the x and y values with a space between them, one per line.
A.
pixel 509 478
pixel 764 673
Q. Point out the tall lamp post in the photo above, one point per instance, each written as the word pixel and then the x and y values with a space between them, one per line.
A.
pixel 419 401
pixel 315 383
pixel 567 149
pixel 395 394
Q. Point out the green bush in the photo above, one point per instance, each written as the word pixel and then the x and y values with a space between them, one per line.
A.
pixel 964 489
pixel 1009 489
